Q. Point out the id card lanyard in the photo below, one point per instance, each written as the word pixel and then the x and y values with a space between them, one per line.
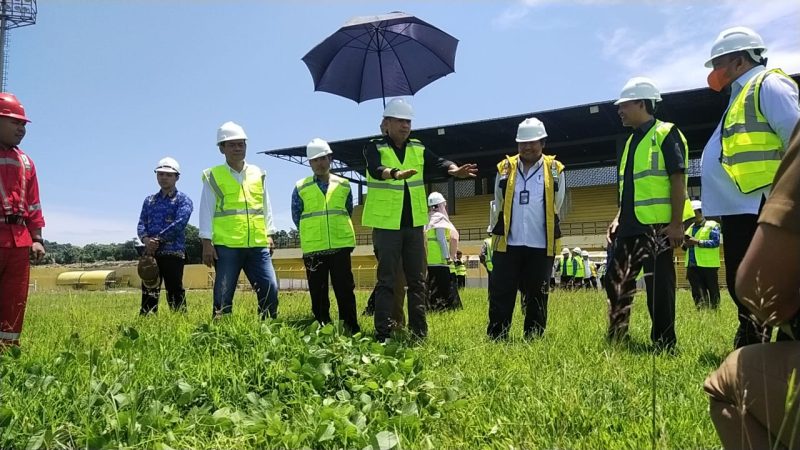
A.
pixel 525 194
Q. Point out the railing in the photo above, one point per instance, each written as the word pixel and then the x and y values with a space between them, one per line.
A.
pixel 475 234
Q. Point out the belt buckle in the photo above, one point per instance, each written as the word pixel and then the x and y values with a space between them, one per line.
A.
pixel 14 219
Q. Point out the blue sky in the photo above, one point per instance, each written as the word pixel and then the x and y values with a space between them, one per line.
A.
pixel 114 86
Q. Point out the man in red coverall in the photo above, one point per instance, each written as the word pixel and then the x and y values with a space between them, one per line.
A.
pixel 21 220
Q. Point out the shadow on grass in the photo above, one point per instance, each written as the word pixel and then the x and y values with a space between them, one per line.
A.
pixel 710 359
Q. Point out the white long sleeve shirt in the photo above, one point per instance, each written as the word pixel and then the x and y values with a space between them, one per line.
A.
pixel 208 202
pixel 528 227
pixel 779 104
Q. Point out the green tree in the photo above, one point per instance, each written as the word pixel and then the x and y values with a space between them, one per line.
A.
pixel 194 246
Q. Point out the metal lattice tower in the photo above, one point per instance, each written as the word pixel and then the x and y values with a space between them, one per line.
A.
pixel 13 14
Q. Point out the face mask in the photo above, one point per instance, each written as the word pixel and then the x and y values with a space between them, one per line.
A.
pixel 718 79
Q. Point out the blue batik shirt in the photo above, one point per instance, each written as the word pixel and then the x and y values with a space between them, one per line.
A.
pixel 165 217
pixel 711 242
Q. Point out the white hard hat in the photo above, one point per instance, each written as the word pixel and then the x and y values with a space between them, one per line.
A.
pixel 576 250
pixel 639 88
pixel 585 253
pixel 168 165
pixel 696 205
pixel 565 250
pixel 398 109
pixel 230 131
pixel 736 39
pixel 531 129
pixel 316 148
pixel 435 199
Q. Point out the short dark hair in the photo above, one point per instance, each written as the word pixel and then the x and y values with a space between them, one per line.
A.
pixel 747 58
pixel 650 106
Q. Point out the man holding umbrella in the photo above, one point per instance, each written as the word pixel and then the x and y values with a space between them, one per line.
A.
pixel 396 208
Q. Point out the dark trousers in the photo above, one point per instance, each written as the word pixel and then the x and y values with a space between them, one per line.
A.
pixel 705 286
pixel 566 281
pixel 440 288
pixel 170 269
pixel 738 231
pixel 630 254
pixel 461 281
pixel 396 249
pixel 519 264
pixel 337 265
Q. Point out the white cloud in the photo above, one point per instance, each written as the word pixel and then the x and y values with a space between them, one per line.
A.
pixel 674 53
pixel 515 15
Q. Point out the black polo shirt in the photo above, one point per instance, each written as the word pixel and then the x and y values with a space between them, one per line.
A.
pixel 434 165
pixel 673 151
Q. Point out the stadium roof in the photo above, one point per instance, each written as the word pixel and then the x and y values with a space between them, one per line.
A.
pixel 581 136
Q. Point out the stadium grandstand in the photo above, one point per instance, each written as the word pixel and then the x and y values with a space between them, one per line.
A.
pixel 586 138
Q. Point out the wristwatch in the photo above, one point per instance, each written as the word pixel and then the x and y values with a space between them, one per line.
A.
pixel 393 172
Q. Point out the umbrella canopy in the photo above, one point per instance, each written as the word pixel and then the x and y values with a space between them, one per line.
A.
pixel 381 56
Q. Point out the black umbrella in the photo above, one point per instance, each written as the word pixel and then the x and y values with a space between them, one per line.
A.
pixel 381 56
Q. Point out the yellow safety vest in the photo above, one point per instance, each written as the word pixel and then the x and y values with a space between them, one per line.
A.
pixel 461 269
pixel 384 205
pixel 567 268
pixel 489 252
pixel 325 223
pixel 435 250
pixel 578 267
pixel 552 168
pixel 651 185
pixel 239 210
pixel 705 257
pixel 751 150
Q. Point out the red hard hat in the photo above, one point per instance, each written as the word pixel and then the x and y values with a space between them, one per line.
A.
pixel 11 107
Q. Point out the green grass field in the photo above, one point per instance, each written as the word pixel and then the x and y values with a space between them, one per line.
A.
pixel 93 374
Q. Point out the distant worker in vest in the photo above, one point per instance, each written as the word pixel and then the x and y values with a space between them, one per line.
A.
pixel 236 225
pixel 442 241
pixel 567 270
pixel 578 269
pixel 649 223
pixel 744 151
pixel 321 208
pixel 396 208
pixel 162 230
pixel 485 257
pixel 21 221
pixel 702 259
pixel 529 192
pixel 589 271
pixel 461 270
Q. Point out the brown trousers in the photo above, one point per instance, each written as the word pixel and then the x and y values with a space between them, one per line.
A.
pixel 748 397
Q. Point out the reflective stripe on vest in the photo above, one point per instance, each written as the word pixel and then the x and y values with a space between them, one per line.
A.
pixel 324 222
pixel 704 257
pixel 567 270
pixel 239 208
pixel 24 164
pixel 579 269
pixel 435 257
pixel 651 184
pixel 509 168
pixel 751 150
pixel 461 269
pixel 384 205
pixel 489 253
pixel 5 336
